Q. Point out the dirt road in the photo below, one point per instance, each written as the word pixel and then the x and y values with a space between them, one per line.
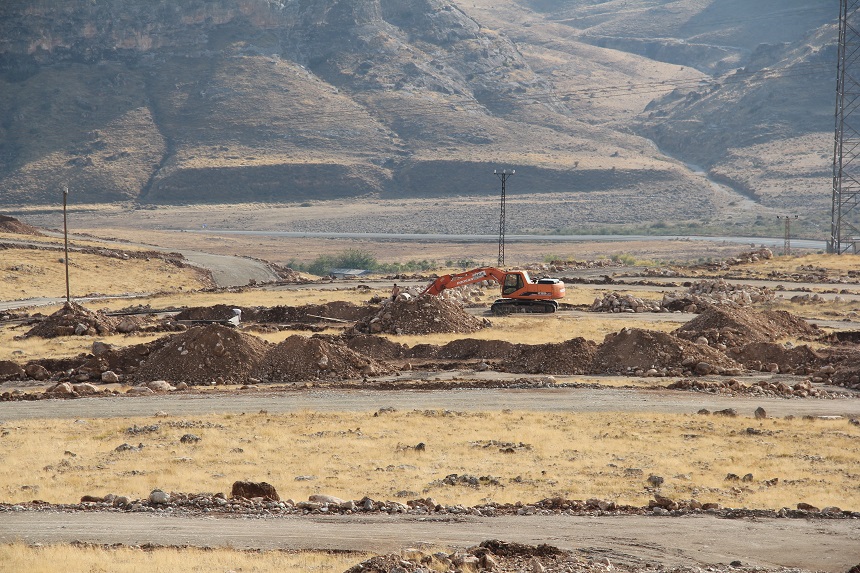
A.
pixel 825 545
pixel 542 400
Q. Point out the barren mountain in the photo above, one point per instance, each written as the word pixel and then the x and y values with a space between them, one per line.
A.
pixel 281 101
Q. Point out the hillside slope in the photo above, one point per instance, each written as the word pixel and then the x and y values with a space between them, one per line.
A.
pixel 253 100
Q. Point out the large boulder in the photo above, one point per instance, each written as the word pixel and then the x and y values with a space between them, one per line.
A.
pixel 250 489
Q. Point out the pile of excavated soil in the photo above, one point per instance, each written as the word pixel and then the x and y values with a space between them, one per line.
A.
pixel 339 310
pixel 12 225
pixel 377 347
pixel 570 357
pixel 421 315
pixel 498 556
pixel 215 312
pixel 634 349
pixel 204 355
pixel 281 314
pixel 738 326
pixel 299 358
pixel 761 355
pixel 74 319
pixel 465 349
pixel 122 361
pixel 573 356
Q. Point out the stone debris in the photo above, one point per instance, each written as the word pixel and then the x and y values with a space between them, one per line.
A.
pixel 421 315
pixel 698 297
pixel 780 389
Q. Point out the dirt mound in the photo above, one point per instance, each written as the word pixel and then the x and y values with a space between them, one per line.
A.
pixel 74 319
pixel 466 349
pixel 216 312
pixel 280 314
pixel 377 347
pixel 573 356
pixel 739 326
pixel 760 355
pixel 339 310
pixel 204 355
pixel 500 556
pixel 299 358
pixel 421 315
pixel 570 357
pixel 634 349
pixel 14 226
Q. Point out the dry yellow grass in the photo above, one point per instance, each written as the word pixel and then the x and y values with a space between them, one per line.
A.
pixel 351 455
pixel 93 559
pixel 27 273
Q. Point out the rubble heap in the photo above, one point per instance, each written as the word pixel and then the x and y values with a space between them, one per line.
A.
pixel 299 358
pixel 726 327
pixel 651 353
pixel 774 357
pixel 204 355
pixel 617 302
pixel 803 389
pixel 699 296
pixel 73 319
pixel 422 315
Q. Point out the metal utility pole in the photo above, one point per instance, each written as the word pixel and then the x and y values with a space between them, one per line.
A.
pixel 66 240
pixel 503 176
pixel 786 246
pixel 846 145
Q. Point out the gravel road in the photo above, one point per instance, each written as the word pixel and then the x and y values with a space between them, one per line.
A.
pixel 542 400
pixel 825 545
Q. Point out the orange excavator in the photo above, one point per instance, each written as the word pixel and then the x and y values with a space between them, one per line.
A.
pixel 519 293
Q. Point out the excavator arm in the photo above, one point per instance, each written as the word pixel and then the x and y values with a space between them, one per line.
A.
pixel 461 279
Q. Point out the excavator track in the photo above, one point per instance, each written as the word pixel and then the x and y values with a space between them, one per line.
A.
pixel 505 306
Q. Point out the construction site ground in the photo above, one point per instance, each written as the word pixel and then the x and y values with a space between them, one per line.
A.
pixel 346 370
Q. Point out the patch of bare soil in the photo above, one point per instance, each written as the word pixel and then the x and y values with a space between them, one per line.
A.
pixel 12 225
pixel 634 349
pixel 74 319
pixel 421 315
pixel 465 349
pixel 299 358
pixel 763 355
pixel 738 326
pixel 204 355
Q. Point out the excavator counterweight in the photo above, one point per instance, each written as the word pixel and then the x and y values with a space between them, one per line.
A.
pixel 519 292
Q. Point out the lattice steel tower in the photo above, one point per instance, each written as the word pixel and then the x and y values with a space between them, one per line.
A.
pixel 844 233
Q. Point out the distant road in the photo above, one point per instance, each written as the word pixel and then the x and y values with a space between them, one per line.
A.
pixel 757 241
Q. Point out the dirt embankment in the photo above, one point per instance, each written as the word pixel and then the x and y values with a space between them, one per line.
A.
pixel 15 227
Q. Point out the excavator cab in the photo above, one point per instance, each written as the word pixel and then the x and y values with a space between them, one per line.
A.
pixel 513 283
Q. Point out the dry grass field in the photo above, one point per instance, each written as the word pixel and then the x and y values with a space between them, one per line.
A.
pixel 26 273
pixel 89 559
pixel 350 455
